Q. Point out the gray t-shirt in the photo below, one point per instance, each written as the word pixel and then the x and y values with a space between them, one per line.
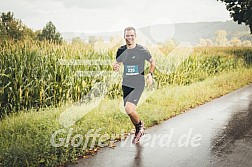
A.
pixel 133 61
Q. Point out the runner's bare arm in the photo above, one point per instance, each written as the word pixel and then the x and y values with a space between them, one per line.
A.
pixel 150 74
pixel 152 65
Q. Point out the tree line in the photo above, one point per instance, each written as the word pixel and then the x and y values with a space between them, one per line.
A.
pixel 14 29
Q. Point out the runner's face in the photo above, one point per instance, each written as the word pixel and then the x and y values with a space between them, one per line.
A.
pixel 130 37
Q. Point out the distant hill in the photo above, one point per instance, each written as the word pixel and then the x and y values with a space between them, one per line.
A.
pixel 189 32
pixel 192 32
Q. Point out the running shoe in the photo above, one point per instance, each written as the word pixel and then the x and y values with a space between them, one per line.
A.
pixel 139 133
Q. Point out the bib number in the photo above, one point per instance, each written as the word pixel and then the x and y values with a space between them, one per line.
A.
pixel 131 69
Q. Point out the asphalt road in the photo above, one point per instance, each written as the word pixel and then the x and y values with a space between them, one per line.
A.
pixel 216 134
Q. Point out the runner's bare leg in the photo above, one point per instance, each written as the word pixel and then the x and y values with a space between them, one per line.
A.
pixel 130 109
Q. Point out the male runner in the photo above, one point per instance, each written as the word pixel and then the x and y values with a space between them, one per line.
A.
pixel 133 57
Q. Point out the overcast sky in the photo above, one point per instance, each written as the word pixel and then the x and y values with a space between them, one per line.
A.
pixel 109 15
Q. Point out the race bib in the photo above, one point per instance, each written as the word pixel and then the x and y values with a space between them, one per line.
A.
pixel 131 70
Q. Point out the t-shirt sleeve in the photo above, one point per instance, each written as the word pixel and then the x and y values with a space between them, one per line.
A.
pixel 119 54
pixel 147 55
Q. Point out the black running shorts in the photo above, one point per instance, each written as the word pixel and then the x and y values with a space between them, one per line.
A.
pixel 131 94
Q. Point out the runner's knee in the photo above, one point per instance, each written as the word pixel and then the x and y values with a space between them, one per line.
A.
pixel 130 108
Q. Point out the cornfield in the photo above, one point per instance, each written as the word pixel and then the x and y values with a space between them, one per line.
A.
pixel 35 74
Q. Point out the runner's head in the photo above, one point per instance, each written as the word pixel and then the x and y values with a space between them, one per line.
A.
pixel 130 35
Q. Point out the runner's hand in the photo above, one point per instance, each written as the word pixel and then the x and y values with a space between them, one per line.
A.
pixel 149 79
pixel 116 66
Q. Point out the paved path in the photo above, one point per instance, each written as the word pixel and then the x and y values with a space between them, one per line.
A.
pixel 216 134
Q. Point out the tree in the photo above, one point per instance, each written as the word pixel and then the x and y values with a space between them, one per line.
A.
pixel 10 28
pixel 235 42
pixel 240 11
pixel 92 39
pixel 50 33
pixel 13 29
pixel 246 43
pixel 221 38
pixel 209 42
pixel 77 40
pixel 205 42
pixel 202 42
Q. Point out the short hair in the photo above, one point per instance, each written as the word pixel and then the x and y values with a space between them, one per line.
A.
pixel 128 29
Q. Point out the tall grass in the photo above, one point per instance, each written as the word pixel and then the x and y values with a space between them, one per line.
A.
pixel 32 74
pixel 205 62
